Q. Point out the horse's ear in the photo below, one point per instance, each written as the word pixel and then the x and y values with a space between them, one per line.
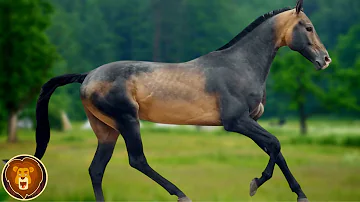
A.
pixel 299 6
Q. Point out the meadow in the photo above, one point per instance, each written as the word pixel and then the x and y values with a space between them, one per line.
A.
pixel 206 165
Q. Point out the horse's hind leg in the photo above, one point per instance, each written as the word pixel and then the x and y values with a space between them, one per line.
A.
pixel 107 137
pixel 118 108
pixel 130 130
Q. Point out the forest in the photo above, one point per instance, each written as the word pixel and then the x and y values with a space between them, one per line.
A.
pixel 46 38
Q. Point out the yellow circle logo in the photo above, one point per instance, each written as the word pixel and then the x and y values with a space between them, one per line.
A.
pixel 24 177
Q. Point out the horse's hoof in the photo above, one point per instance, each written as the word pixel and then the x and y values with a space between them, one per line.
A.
pixel 253 187
pixel 302 200
pixel 184 199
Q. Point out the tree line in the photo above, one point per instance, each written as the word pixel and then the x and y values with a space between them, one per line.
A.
pixel 44 38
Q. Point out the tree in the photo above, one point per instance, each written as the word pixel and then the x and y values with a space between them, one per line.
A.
pixel 26 55
pixel 314 92
pixel 348 63
pixel 94 32
pixel 348 47
pixel 332 18
pixel 296 77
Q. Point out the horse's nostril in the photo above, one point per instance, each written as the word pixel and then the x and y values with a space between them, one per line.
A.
pixel 327 59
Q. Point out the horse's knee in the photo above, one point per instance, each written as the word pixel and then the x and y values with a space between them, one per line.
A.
pixel 273 147
pixel 275 144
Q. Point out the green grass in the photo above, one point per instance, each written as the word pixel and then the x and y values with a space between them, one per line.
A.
pixel 207 166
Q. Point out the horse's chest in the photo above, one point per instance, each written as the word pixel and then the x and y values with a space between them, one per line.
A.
pixel 250 96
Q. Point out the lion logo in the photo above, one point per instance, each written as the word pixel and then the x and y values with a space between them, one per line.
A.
pixel 24 177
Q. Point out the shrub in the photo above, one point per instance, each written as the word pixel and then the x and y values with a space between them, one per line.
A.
pixel 331 140
pixel 328 140
pixel 351 141
pixel 301 140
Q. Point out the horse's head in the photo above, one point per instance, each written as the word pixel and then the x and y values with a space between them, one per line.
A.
pixel 294 29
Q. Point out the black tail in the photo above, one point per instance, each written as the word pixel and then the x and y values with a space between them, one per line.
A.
pixel 42 125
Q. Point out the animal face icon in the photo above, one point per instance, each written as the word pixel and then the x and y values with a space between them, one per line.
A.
pixel 23 177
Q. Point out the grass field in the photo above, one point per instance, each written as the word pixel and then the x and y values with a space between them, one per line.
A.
pixel 207 166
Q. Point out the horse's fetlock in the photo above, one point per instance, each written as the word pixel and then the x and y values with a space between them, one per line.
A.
pixel 295 187
pixel 267 175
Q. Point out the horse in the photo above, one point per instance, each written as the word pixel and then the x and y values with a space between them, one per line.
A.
pixel 225 87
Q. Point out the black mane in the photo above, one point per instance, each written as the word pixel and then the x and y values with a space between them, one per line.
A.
pixel 252 26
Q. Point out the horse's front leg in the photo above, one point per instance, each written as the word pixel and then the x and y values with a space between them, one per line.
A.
pixel 247 126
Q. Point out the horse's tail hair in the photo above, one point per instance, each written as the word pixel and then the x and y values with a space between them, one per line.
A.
pixel 42 120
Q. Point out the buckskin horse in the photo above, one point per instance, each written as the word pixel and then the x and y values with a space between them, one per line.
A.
pixel 225 88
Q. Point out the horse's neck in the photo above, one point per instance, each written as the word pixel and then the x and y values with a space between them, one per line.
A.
pixel 257 49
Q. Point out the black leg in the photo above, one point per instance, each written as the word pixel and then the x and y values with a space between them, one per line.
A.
pixel 271 145
pixel 102 156
pixel 266 175
pixel 130 130
pixel 294 185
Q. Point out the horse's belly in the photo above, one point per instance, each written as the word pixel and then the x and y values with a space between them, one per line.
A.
pixel 175 96
pixel 181 112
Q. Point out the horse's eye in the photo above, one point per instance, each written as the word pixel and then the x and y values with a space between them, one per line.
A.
pixel 309 29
